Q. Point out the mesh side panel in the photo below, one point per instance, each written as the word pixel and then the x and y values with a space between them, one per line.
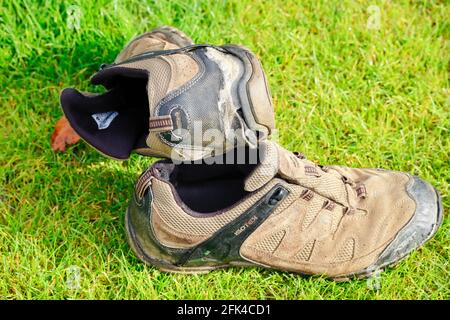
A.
pixel 346 252
pixel 271 242
pixel 305 253
pixel 314 207
pixel 180 221
pixel 159 78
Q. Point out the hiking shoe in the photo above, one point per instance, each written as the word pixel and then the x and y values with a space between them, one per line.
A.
pixel 284 212
pixel 170 98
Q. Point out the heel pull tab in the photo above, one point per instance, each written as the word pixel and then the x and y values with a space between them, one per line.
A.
pixel 143 183
pixel 161 124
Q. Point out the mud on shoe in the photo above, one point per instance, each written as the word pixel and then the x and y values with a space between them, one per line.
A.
pixel 282 212
pixel 168 97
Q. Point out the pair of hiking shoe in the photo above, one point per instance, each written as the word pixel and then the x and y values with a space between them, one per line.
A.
pixel 227 195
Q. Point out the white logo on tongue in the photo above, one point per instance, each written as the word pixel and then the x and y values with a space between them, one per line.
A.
pixel 104 119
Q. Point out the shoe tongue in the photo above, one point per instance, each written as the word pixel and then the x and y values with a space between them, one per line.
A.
pixel 278 161
pixel 266 170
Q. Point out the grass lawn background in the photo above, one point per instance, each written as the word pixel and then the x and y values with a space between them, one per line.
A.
pixel 346 91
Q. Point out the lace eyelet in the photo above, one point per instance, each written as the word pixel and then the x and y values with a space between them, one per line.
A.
pixel 361 191
pixel 299 155
pixel 348 181
pixel 349 211
pixel 311 171
pixel 143 183
pixel 329 205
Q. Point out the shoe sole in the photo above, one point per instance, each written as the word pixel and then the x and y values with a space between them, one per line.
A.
pixel 137 250
pixel 366 273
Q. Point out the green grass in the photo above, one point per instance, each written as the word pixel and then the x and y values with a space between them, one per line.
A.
pixel 344 94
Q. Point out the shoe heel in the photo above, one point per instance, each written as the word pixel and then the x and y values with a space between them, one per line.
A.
pixel 254 92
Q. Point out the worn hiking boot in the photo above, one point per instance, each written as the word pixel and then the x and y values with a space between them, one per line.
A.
pixel 158 39
pixel 284 212
pixel 170 98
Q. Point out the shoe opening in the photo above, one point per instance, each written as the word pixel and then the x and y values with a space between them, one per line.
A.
pixel 210 186
pixel 114 122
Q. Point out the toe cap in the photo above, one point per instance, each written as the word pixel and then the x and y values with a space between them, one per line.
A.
pixel 422 226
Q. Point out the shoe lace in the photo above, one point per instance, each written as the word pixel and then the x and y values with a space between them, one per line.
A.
pixel 344 178
pixel 360 188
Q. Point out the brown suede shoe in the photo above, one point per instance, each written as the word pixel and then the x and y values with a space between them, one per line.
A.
pixel 158 39
pixel 168 97
pixel 283 212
